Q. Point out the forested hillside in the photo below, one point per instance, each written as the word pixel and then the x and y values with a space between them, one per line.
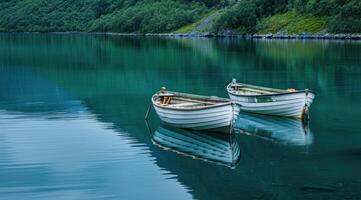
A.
pixel 156 16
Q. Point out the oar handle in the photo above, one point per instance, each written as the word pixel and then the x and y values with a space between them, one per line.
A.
pixel 148 111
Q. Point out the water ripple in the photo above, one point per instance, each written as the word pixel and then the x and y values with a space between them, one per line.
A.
pixel 46 153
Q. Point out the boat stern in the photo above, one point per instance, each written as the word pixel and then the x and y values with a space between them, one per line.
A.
pixel 310 95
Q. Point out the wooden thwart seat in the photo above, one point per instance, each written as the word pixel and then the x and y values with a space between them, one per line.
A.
pixel 195 101
pixel 166 100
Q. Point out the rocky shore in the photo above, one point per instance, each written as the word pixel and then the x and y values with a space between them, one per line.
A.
pixel 226 34
pixel 319 36
pixel 315 36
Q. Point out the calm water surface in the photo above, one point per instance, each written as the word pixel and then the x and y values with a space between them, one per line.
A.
pixel 72 119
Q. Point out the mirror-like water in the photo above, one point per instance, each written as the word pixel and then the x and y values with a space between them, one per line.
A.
pixel 72 119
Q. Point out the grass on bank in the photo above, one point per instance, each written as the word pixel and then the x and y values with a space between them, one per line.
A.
pixel 188 28
pixel 292 23
pixel 193 26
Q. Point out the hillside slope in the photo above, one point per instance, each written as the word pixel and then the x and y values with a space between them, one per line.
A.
pixel 292 23
pixel 158 16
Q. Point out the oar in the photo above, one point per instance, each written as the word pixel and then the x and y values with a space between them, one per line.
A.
pixel 148 111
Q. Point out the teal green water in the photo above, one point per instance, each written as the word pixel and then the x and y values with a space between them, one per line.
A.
pixel 72 118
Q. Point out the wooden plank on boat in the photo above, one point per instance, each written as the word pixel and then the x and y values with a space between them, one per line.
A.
pixel 196 101
pixel 256 90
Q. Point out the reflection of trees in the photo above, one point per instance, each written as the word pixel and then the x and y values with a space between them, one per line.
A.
pixel 324 62
pixel 114 77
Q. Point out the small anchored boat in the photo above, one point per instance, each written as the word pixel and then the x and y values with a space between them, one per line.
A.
pixel 270 101
pixel 209 147
pixel 194 111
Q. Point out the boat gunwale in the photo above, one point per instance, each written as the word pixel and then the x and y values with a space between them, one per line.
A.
pixel 222 101
pixel 279 92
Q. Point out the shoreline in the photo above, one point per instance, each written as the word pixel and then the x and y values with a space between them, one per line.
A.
pixel 303 36
pixel 315 36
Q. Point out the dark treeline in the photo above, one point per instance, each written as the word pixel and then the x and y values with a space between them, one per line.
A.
pixel 343 16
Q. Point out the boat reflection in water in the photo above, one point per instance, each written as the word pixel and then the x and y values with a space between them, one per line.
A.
pixel 286 131
pixel 207 146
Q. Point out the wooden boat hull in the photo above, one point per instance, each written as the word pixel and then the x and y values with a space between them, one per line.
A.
pixel 198 145
pixel 290 104
pixel 223 112
pixel 209 118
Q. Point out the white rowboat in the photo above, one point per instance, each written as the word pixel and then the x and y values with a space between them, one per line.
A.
pixel 194 111
pixel 270 101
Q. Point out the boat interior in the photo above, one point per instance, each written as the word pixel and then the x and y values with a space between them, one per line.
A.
pixel 249 90
pixel 174 101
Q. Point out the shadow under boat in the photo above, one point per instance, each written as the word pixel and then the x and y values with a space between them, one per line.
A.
pixel 287 131
pixel 213 147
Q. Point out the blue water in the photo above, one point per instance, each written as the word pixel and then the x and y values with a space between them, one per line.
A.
pixel 72 119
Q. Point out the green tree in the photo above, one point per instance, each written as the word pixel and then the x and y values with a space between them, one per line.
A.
pixel 241 17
